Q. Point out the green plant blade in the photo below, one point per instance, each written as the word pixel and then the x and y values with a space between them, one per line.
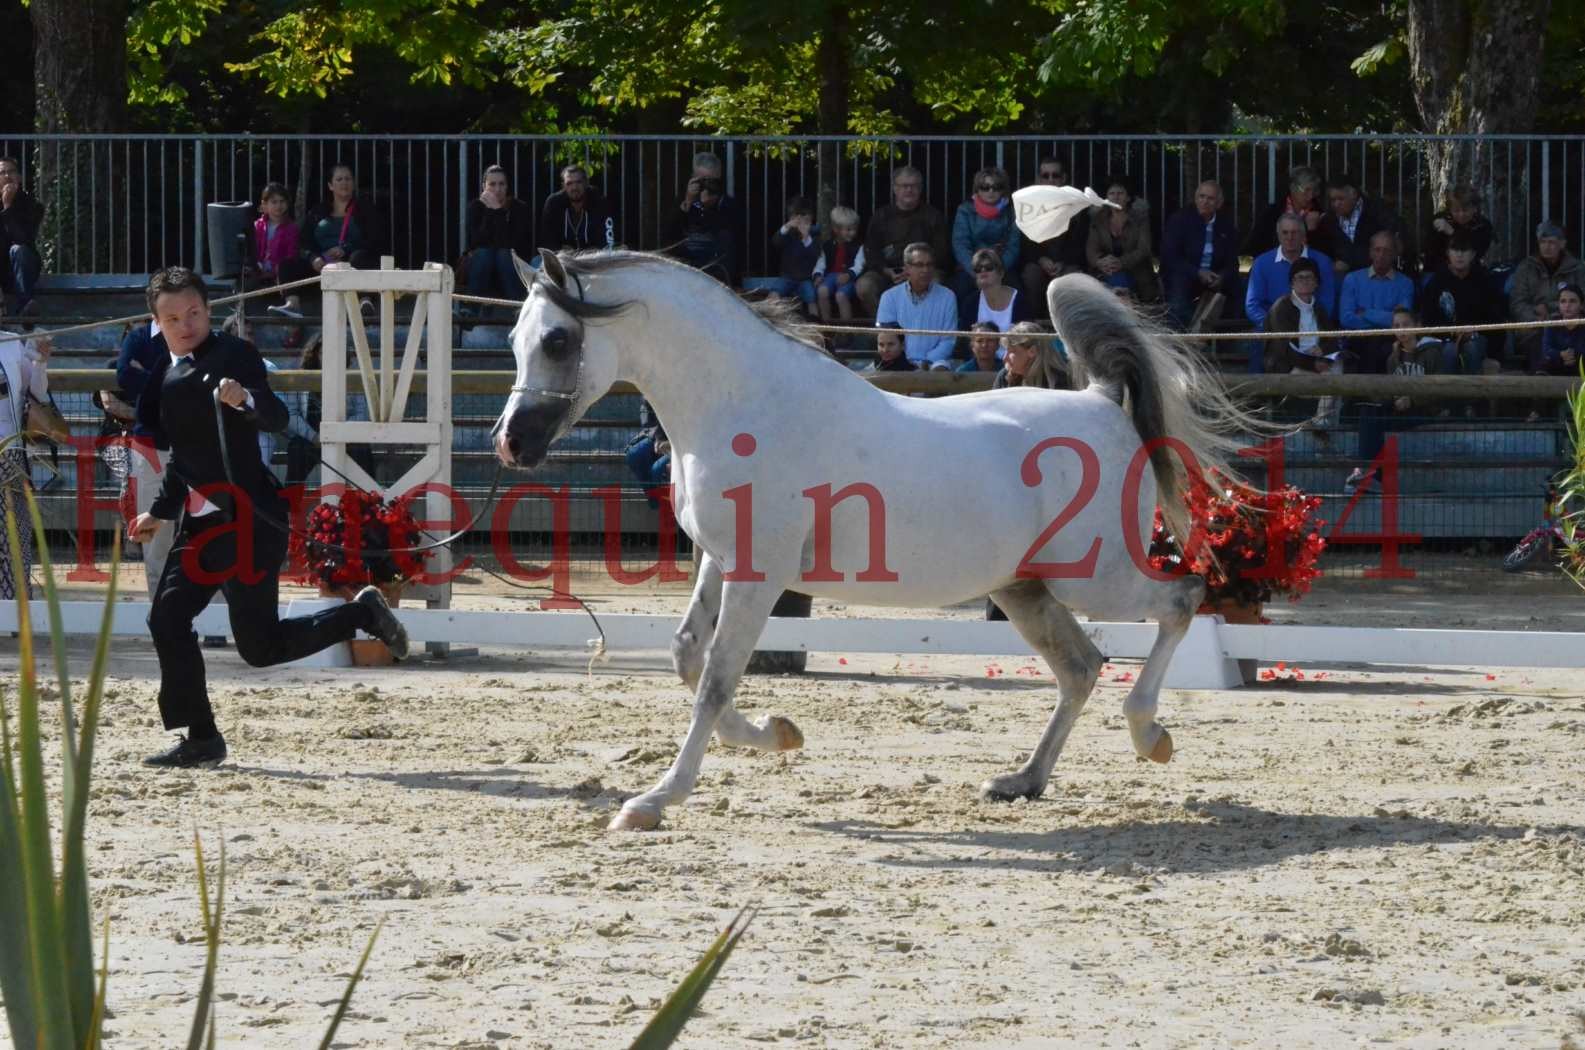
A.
pixel 668 1021
pixel 16 966
pixel 47 955
pixel 96 1025
pixel 352 984
pixel 206 990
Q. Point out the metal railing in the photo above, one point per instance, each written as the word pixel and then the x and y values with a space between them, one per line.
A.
pixel 132 203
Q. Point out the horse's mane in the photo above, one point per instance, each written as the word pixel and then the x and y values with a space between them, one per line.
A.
pixel 779 315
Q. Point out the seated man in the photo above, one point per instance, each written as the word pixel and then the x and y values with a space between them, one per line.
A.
pixel 1410 356
pixel 1370 297
pixel 1351 220
pixel 921 302
pixel 1268 280
pixel 649 454
pixel 1536 281
pixel 1199 257
pixel 498 224
pixel 21 214
pixel 1462 294
pixel 1046 260
pixel 576 216
pixel 908 219
pixel 703 230
pixel 985 349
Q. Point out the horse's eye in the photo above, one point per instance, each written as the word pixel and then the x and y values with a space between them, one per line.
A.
pixel 555 342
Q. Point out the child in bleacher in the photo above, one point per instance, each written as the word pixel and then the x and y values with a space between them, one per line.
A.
pixel 841 261
pixel 797 247
pixel 275 256
pixel 889 355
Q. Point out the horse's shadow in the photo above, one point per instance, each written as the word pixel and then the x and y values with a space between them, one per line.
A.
pixel 500 781
pixel 1236 837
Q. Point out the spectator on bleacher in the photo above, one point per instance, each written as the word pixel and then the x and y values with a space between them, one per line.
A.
pixel 497 225
pixel 649 453
pixel 276 255
pixel 924 303
pixel 1199 258
pixel 1410 356
pixel 890 355
pixel 302 444
pixel 1462 293
pixel 1033 358
pixel 1563 346
pixel 722 241
pixel 24 374
pixel 1351 220
pixel 576 217
pixel 702 229
pixel 985 349
pixel 1536 281
pixel 143 352
pixel 1303 311
pixel 906 220
pixel 796 247
pixel 994 300
pixel 985 220
pixel 1370 298
pixel 1268 279
pixel 1461 215
pixel 1046 260
pixel 1118 250
pixel 345 229
pixel 837 270
pixel 1303 200
pixel 21 214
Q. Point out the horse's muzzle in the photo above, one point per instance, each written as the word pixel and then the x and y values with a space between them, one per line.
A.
pixel 530 425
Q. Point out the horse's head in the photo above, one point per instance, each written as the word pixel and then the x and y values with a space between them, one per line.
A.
pixel 560 372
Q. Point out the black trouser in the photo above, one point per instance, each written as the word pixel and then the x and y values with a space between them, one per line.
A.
pixel 263 638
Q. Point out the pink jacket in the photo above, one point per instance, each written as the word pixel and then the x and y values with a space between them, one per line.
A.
pixel 270 254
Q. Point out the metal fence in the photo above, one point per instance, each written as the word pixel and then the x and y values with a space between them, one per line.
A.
pixel 139 200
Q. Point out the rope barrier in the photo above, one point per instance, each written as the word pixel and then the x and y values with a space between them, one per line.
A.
pixel 8 337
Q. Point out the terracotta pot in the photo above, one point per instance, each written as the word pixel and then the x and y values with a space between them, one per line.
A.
pixel 370 652
pixel 1234 611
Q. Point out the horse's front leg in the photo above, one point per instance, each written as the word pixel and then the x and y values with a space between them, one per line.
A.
pixel 744 609
pixel 692 640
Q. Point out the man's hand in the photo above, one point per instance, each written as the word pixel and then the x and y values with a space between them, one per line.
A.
pixel 233 393
pixel 1569 357
pixel 693 193
pixel 895 273
pixel 8 193
pixel 143 528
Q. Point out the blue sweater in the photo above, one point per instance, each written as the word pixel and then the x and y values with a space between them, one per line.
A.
pixel 141 354
pixel 1368 300
pixel 1268 282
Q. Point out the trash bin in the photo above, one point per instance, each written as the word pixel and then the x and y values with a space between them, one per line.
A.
pixel 229 223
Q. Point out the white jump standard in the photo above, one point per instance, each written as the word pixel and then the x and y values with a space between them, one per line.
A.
pixel 792 472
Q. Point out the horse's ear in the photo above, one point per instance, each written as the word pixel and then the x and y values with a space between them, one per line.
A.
pixel 525 272
pixel 550 264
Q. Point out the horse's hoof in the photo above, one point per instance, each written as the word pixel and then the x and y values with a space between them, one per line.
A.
pixel 1008 789
pixel 1162 752
pixel 635 820
pixel 788 736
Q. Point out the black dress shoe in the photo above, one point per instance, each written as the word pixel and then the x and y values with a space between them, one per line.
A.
pixel 190 754
pixel 384 626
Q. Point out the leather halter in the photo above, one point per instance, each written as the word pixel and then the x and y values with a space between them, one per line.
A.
pixel 577 385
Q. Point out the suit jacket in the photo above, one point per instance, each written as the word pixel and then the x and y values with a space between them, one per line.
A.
pixel 178 409
pixel 1374 216
pixel 1183 239
pixel 142 354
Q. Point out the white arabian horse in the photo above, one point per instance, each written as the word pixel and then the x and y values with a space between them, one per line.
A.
pixel 790 472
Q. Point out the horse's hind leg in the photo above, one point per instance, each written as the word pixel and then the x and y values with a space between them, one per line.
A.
pixel 744 609
pixel 1173 605
pixel 1048 626
pixel 688 648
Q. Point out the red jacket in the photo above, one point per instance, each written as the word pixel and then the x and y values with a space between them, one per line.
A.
pixel 270 254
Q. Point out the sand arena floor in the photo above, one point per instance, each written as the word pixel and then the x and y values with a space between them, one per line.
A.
pixel 1364 857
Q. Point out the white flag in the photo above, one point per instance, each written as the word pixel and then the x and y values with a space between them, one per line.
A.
pixel 1043 212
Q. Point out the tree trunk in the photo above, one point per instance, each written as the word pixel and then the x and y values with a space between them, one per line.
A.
pixel 80 70
pixel 1475 67
pixel 832 65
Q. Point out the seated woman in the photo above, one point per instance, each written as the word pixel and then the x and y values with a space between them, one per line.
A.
pixel 1563 347
pixel 985 221
pixel 345 228
pixel 993 300
pixel 1301 311
pixel 497 224
pixel 1034 358
pixel 1118 251
pixel 276 259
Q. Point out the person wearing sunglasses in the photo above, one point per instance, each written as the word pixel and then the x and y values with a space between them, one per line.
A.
pixel 1046 260
pixel 994 300
pixel 985 220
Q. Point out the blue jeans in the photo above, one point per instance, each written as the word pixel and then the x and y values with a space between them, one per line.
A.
pixel 491 269
pixel 24 272
pixel 647 467
pixel 785 287
pixel 1473 353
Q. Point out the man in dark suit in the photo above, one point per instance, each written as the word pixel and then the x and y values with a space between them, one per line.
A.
pixel 222 541
pixel 1199 257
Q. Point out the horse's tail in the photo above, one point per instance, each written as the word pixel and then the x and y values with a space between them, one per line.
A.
pixel 1159 381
